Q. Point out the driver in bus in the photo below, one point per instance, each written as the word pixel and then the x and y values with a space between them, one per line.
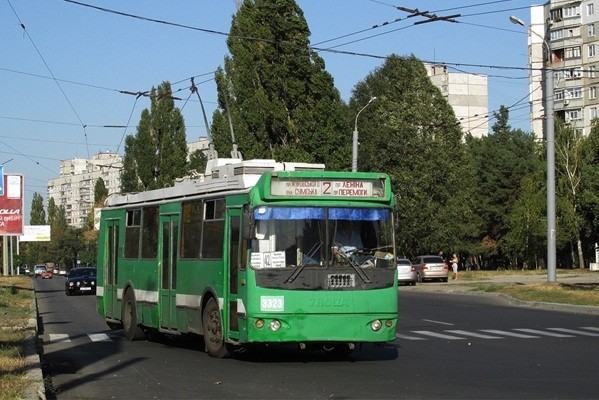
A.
pixel 348 235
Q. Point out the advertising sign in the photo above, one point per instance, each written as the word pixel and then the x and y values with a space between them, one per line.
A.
pixel 36 233
pixel 11 205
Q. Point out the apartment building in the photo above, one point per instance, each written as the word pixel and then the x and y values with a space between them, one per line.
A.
pixel 468 96
pixel 74 188
pixel 571 35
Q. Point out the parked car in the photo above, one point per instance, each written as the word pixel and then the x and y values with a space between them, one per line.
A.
pixel 406 272
pixel 47 274
pixel 430 267
pixel 81 280
pixel 38 269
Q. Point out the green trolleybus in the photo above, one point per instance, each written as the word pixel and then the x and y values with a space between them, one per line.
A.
pixel 252 252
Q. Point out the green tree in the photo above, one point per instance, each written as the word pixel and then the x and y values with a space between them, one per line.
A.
pixel 35 251
pixel 569 159
pixel 157 154
pixel 589 187
pixel 197 161
pixel 501 160
pixel 411 132
pixel 37 215
pixel 100 191
pixel 283 104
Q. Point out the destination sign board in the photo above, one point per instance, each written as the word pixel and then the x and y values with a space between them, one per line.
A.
pixel 304 187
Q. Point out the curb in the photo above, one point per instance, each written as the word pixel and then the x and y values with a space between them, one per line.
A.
pixel 36 389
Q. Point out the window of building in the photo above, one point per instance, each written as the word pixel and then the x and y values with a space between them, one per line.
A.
pixel 591 50
pixel 593 92
pixel 572 11
pixel 557 14
pixel 558 95
pixel 556 34
pixel 591 30
pixel 592 71
pixel 573 115
pixel 590 9
pixel 574 93
pixel 593 113
pixel 572 52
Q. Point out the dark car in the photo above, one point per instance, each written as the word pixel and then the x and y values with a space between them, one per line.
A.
pixel 81 280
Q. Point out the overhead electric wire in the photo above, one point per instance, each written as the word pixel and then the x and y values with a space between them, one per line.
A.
pixel 51 73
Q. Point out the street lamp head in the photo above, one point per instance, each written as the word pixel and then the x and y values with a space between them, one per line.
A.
pixel 517 21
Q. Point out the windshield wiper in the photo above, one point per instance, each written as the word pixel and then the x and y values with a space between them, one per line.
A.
pixel 348 253
pixel 300 267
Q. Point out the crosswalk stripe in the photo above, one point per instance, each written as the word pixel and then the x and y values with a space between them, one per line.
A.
pixel 439 335
pixel 473 334
pixel 59 337
pixel 508 333
pixel 99 337
pixel 592 328
pixel 399 336
pixel 574 331
pixel 544 333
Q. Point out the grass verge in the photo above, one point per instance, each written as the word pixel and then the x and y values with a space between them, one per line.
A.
pixel 16 296
pixel 584 293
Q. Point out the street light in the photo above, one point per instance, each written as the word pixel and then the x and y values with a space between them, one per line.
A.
pixel 354 163
pixel 550 138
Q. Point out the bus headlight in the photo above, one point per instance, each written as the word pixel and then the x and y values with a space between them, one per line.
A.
pixel 275 325
pixel 376 325
pixel 259 323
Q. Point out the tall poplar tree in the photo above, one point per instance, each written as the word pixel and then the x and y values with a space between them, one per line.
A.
pixel 410 132
pixel 282 102
pixel 37 215
pixel 502 160
pixel 157 154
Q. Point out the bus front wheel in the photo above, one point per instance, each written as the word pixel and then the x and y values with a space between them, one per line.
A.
pixel 129 317
pixel 213 330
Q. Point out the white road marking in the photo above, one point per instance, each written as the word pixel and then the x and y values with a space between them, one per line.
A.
pixel 544 333
pixel 439 335
pixel 574 331
pixel 99 337
pixel 508 333
pixel 438 322
pixel 59 337
pixel 473 334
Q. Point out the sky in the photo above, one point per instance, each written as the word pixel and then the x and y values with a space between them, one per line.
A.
pixel 69 69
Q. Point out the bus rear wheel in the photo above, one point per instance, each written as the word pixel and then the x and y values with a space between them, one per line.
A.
pixel 129 317
pixel 213 330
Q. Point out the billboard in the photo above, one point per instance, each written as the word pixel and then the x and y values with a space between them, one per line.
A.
pixel 35 233
pixel 11 205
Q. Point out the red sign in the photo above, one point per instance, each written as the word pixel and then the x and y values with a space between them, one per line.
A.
pixel 11 206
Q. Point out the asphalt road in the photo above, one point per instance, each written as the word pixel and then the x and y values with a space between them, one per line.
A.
pixel 449 345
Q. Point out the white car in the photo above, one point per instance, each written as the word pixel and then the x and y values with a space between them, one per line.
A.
pixel 406 272
pixel 38 269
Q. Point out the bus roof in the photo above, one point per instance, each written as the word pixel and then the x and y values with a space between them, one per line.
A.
pixel 224 175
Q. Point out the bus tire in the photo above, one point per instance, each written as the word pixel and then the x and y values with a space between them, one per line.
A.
pixel 129 317
pixel 213 330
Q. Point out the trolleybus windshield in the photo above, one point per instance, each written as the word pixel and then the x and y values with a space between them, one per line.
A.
pixel 292 237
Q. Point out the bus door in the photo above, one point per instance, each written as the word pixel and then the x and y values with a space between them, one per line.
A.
pixel 169 227
pixel 236 272
pixel 111 304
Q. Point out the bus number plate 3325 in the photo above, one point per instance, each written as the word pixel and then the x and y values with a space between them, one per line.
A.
pixel 272 303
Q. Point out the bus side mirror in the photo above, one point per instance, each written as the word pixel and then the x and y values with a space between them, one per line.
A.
pixel 247 224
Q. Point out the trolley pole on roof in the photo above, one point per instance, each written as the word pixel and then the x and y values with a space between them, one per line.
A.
pixel 212 154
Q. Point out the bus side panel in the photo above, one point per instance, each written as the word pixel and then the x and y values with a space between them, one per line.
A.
pixel 193 277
